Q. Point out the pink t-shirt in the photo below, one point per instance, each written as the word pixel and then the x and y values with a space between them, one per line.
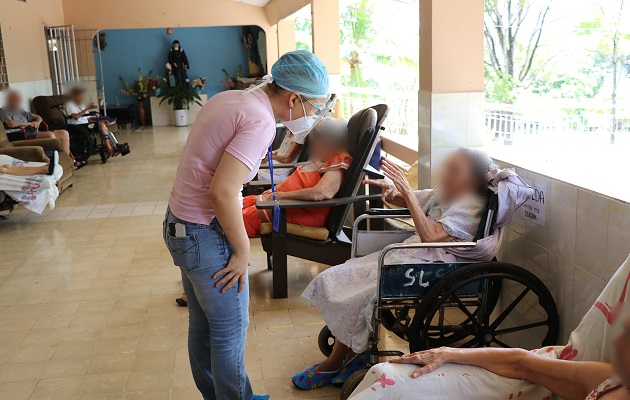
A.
pixel 240 124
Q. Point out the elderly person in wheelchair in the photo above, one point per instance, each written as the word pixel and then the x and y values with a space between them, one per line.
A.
pixel 345 294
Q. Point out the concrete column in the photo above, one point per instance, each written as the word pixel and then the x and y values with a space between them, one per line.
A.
pixel 451 81
pixel 327 39
pixel 286 36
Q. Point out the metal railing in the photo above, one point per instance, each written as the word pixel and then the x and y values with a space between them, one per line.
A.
pixel 403 113
pixel 508 123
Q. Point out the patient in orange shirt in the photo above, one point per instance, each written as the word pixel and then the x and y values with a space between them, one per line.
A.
pixel 320 179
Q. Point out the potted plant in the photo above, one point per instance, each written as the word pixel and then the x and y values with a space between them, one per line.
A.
pixel 180 98
pixel 141 89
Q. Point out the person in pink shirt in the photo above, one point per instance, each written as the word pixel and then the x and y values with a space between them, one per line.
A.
pixel 203 228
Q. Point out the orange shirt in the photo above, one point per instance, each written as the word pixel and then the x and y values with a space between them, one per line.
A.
pixel 307 176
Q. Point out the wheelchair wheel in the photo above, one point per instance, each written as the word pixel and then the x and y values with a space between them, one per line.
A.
pixel 351 384
pixel 326 341
pixel 452 314
pixel 399 320
pixel 81 143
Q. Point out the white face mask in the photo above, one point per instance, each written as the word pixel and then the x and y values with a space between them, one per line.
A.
pixel 300 126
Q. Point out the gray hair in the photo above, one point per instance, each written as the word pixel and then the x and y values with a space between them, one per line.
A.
pixel 334 131
pixel 480 164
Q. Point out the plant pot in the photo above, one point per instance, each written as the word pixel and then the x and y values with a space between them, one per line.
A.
pixel 180 117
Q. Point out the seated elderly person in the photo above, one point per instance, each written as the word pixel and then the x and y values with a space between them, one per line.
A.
pixel 79 114
pixel 21 124
pixel 345 294
pixel 571 380
pixel 320 179
pixel 288 152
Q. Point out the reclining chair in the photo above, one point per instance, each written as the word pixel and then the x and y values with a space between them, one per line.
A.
pixel 329 245
pixel 33 150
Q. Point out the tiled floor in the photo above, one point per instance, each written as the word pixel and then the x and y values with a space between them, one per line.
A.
pixel 87 293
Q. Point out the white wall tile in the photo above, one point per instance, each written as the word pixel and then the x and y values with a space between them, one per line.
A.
pixel 475 124
pixel 586 289
pixel 559 281
pixel 448 120
pixel 561 219
pixel 591 233
pixel 618 243
pixel 424 119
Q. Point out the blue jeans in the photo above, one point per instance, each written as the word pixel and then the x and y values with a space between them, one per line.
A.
pixel 217 321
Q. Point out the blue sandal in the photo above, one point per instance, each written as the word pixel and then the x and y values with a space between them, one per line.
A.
pixel 357 363
pixel 311 379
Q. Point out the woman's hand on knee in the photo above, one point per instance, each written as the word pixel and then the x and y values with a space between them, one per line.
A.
pixel 234 272
pixel 429 359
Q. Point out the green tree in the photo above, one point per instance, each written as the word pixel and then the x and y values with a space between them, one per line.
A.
pixel 357 34
pixel 612 49
pixel 304 34
pixel 512 32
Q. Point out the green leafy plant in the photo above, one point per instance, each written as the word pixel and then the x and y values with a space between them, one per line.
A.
pixel 180 97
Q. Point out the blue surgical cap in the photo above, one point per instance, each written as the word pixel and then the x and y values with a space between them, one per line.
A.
pixel 302 72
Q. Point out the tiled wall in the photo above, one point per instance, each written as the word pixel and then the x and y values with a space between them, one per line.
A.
pixel 440 133
pixel 585 239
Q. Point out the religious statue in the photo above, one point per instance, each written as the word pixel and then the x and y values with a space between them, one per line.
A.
pixel 177 65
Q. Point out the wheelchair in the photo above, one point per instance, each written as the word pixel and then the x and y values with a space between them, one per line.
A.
pixel 86 139
pixel 461 304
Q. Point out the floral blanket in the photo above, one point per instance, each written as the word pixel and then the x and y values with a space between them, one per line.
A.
pixel 590 341
pixel 34 192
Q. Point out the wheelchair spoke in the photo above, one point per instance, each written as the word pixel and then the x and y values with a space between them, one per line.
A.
pixel 520 328
pixel 509 308
pixel 500 343
pixel 462 307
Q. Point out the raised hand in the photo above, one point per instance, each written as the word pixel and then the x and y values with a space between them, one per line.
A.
pixel 397 175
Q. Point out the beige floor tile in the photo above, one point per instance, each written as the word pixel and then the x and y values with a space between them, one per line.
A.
pixel 111 363
pixel 57 388
pixel 284 367
pixel 22 371
pixel 158 379
pixel 18 390
pixel 185 393
pixel 67 368
pixel 107 383
pixel 162 394
pixel 151 360
pixel 38 352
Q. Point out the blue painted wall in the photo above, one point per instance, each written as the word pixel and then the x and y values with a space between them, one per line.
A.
pixel 208 49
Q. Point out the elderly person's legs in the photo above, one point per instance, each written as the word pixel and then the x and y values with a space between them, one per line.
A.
pixel 64 136
pixel 22 170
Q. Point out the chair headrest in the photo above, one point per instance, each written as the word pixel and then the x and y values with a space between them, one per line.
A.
pixel 358 125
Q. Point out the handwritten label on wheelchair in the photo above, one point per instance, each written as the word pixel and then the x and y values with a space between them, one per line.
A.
pixel 414 280
pixel 534 209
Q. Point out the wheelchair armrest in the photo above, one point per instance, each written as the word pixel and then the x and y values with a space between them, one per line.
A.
pixel 288 165
pixel 269 204
pixel 373 173
pixel 394 212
